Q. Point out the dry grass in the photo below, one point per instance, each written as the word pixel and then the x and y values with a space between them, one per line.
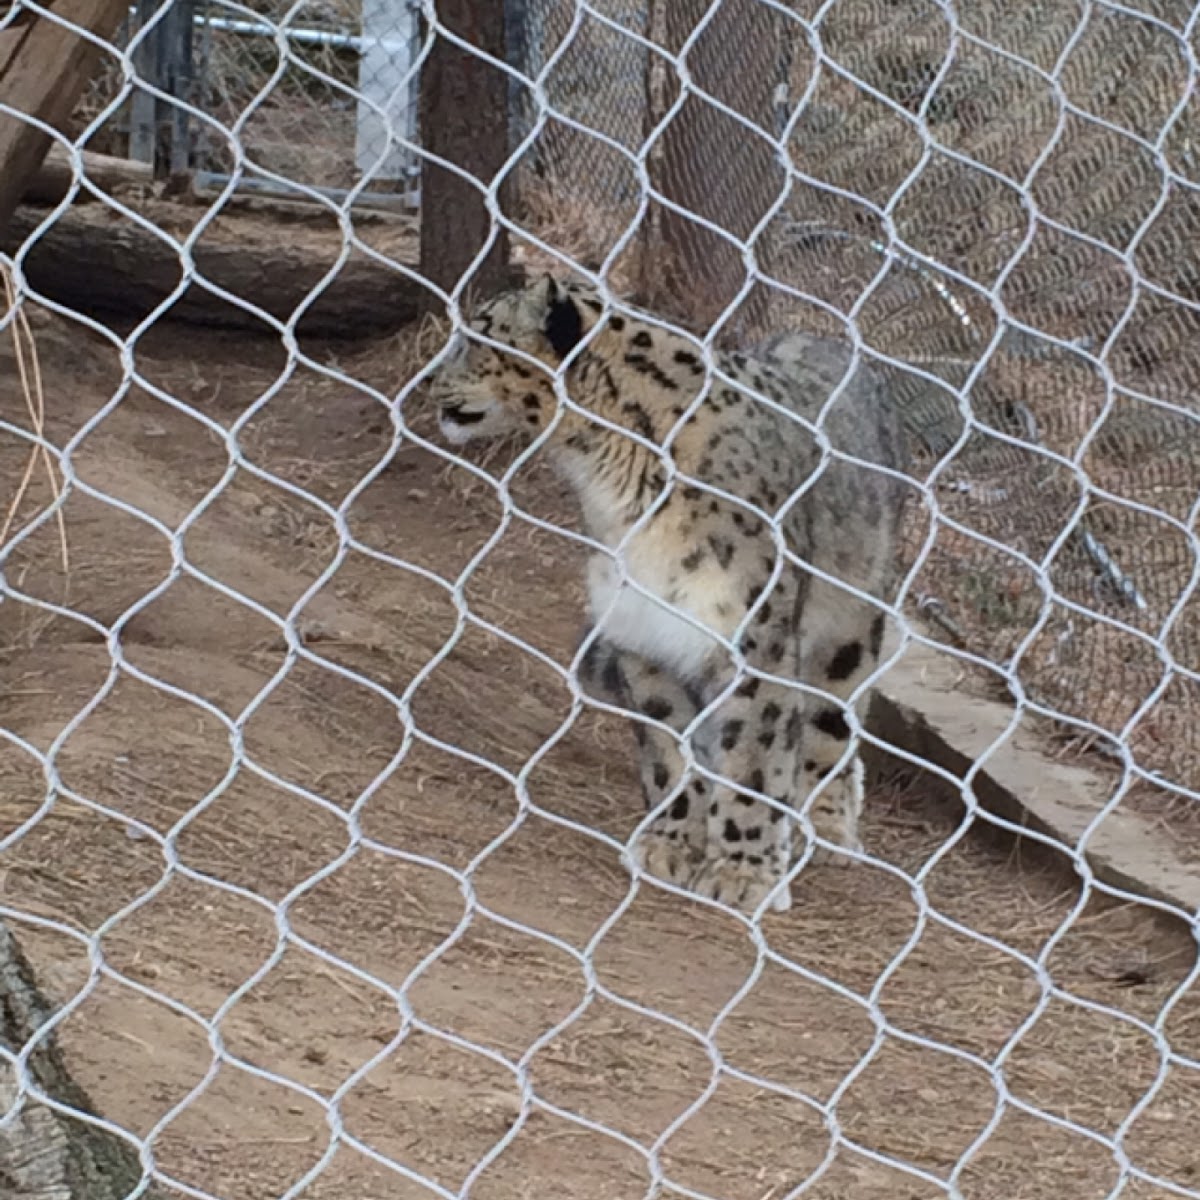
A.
pixel 25 357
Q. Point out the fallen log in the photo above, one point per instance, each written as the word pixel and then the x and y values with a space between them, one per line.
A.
pixel 95 264
pixel 55 176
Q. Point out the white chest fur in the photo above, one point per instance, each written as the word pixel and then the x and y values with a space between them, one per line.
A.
pixel 674 618
pixel 681 635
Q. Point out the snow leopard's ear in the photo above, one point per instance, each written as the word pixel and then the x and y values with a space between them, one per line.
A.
pixel 563 323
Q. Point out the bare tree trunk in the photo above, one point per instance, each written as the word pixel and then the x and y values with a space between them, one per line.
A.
pixel 707 161
pixel 464 120
pixel 45 1156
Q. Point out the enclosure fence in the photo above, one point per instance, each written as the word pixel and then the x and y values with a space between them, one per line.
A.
pixel 998 202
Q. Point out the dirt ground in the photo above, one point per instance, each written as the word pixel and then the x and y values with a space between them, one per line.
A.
pixel 309 891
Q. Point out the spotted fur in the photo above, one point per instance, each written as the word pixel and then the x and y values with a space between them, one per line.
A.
pixel 752 481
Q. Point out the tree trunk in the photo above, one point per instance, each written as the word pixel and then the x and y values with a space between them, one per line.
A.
pixel 90 263
pixel 464 120
pixel 43 1155
pixel 708 162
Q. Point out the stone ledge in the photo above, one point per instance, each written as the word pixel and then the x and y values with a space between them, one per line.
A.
pixel 920 708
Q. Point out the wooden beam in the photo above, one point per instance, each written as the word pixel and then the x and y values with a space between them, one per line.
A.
pixel 44 67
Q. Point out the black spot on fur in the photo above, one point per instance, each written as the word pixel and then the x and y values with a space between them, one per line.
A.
pixel 731 832
pixel 617 322
pixel 766 739
pixel 642 338
pixel 749 689
pixel 640 419
pixel 757 782
pixel 564 325
pixel 730 734
pixel 690 562
pixel 876 637
pixel 661 775
pixel 771 712
pixel 611 676
pixel 722 551
pixel 679 808
pixel 753 834
pixel 832 721
pixel 531 402
pixel 791 731
pixel 845 661
pixel 775 652
pixel 640 363
pixel 657 709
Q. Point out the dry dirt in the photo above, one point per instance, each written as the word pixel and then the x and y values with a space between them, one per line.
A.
pixel 345 895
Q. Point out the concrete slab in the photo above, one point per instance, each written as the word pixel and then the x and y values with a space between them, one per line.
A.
pixel 922 707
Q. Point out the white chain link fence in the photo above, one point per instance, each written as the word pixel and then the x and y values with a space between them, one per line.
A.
pixel 304 823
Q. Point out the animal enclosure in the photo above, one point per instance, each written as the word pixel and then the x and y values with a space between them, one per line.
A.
pixel 317 853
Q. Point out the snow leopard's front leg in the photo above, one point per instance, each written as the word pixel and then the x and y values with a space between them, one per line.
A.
pixel 673 845
pixel 747 839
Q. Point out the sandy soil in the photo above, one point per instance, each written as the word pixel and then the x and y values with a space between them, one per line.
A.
pixel 348 898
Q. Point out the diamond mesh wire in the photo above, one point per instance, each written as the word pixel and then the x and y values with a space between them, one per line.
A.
pixel 920 168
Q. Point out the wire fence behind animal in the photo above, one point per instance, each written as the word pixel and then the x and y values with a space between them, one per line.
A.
pixel 999 203
pixel 1018 153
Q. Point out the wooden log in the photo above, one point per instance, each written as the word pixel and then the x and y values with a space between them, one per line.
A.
pixel 44 67
pixel 42 1153
pixel 96 266
pixel 54 177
